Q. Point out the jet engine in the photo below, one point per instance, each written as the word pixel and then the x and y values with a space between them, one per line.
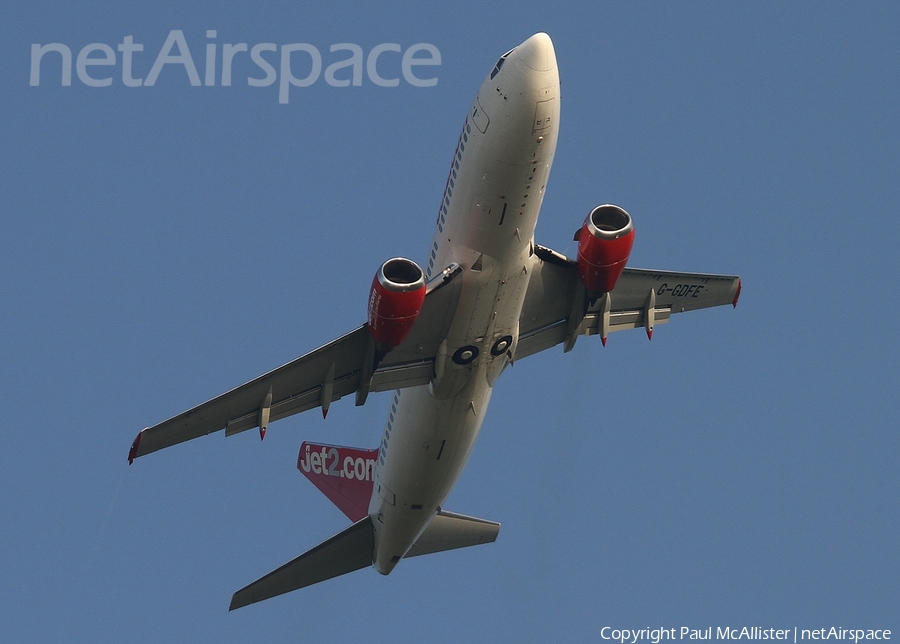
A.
pixel 604 244
pixel 396 297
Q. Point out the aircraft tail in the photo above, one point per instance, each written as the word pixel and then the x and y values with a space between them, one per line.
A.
pixel 449 530
pixel 348 550
pixel 353 548
pixel 344 474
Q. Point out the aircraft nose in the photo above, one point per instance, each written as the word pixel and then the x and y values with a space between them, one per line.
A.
pixel 537 52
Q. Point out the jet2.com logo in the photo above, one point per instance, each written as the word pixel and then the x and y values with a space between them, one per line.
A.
pixel 260 65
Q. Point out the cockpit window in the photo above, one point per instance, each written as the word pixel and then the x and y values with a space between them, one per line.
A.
pixel 500 62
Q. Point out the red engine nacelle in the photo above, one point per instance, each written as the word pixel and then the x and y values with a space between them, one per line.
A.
pixel 398 291
pixel 604 244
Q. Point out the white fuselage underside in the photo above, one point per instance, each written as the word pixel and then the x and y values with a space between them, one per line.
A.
pixel 486 225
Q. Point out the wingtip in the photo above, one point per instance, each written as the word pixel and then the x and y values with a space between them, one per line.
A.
pixel 132 453
pixel 737 294
pixel 603 340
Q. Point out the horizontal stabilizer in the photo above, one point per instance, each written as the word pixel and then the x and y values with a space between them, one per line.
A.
pixel 448 531
pixel 348 550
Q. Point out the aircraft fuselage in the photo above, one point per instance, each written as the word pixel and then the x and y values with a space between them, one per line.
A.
pixel 442 335
pixel 486 225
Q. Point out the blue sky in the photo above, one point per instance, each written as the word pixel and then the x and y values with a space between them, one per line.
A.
pixel 163 244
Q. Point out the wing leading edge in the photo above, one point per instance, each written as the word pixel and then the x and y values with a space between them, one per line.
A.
pixel 341 367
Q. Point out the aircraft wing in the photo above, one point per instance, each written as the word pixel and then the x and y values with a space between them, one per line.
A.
pixel 556 310
pixel 341 367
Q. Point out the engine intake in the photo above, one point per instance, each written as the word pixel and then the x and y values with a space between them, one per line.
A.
pixel 395 299
pixel 604 244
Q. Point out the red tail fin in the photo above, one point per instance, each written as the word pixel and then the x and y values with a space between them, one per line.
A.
pixel 344 474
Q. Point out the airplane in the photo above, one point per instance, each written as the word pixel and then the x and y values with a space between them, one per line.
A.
pixel 439 337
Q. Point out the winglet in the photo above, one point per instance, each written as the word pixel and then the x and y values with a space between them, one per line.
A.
pixel 737 294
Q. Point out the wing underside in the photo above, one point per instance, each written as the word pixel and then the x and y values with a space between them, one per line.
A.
pixel 341 367
pixel 556 309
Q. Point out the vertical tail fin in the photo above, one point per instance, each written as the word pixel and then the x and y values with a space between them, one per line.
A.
pixel 344 474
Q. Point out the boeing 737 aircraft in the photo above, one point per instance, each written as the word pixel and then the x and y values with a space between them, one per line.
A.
pixel 439 337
